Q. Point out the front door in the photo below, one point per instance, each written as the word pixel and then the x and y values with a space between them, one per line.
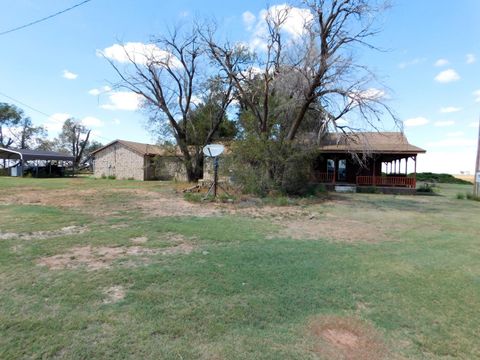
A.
pixel 342 170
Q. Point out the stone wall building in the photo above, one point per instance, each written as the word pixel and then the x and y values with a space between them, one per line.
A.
pixel 131 160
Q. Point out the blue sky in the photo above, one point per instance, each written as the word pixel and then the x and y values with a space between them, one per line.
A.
pixel 431 65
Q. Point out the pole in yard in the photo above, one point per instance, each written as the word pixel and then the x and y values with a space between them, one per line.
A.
pixel 476 189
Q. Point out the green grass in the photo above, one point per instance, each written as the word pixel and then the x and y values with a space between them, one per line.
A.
pixel 245 292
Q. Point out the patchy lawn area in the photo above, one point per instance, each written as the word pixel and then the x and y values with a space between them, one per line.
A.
pixel 97 269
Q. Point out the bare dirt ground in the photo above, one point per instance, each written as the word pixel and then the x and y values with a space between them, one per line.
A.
pixel 346 338
pixel 114 294
pixel 296 222
pixel 101 257
pixel 40 235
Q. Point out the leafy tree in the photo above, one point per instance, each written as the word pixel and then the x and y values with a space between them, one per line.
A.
pixel 10 116
pixel 27 135
pixel 201 122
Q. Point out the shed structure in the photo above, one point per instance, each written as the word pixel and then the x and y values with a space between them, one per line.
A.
pixel 132 160
pixel 35 161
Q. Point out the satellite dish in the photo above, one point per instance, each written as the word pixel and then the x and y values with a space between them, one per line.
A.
pixel 213 150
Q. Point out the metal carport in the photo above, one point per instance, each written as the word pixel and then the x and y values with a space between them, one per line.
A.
pixel 25 155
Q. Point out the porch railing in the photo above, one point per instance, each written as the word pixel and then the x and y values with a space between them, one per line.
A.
pixel 324 177
pixel 387 181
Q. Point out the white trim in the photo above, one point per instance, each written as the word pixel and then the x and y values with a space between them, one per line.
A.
pixel 12 151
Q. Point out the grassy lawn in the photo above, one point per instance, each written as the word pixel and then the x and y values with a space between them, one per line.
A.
pixel 103 269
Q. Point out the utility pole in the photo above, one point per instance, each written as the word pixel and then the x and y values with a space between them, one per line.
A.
pixel 476 189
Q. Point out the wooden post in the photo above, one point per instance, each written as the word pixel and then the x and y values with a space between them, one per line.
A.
pixel 476 185
pixel 334 169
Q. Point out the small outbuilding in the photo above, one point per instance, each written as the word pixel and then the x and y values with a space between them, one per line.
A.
pixel 123 159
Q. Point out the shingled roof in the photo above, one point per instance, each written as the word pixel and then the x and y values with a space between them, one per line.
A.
pixel 367 142
pixel 143 149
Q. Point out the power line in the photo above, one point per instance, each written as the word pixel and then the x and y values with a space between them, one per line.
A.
pixel 26 105
pixel 43 113
pixel 44 19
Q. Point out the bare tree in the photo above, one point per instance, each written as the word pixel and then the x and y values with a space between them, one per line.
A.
pixel 315 70
pixel 74 138
pixel 172 75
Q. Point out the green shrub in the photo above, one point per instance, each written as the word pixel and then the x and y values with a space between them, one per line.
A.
pixel 225 198
pixel 193 197
pixel 111 177
pixel 440 178
pixel 426 188
pixel 471 196
pixel 264 166
pixel 368 190
pixel 104 176
pixel 460 196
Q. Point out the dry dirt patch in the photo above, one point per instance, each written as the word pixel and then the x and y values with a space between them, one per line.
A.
pixel 346 338
pixel 41 235
pixel 114 294
pixel 335 229
pixel 95 258
pixel 56 197
pixel 139 240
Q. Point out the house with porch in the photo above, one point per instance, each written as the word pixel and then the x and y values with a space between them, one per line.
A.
pixel 378 159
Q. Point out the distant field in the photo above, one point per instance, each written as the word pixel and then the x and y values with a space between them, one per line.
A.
pixel 466 177
pixel 105 269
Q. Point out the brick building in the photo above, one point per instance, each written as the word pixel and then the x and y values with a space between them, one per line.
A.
pixel 131 160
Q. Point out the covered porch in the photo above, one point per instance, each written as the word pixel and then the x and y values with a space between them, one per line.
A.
pixel 377 171
pixel 368 159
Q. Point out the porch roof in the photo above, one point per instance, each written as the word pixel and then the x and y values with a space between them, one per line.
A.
pixel 368 142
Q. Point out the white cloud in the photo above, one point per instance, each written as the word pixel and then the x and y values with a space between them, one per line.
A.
pixel 371 94
pixel 116 121
pixel 441 62
pixel 123 100
pixel 69 75
pixel 294 24
pixel 91 121
pixel 96 92
pixel 471 58
pixel 476 93
pixel 455 134
pixel 405 64
pixel 248 20
pixel 444 123
pixel 55 122
pixel 447 76
pixel 139 53
pixel 342 122
pixel 417 121
pixel 450 109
